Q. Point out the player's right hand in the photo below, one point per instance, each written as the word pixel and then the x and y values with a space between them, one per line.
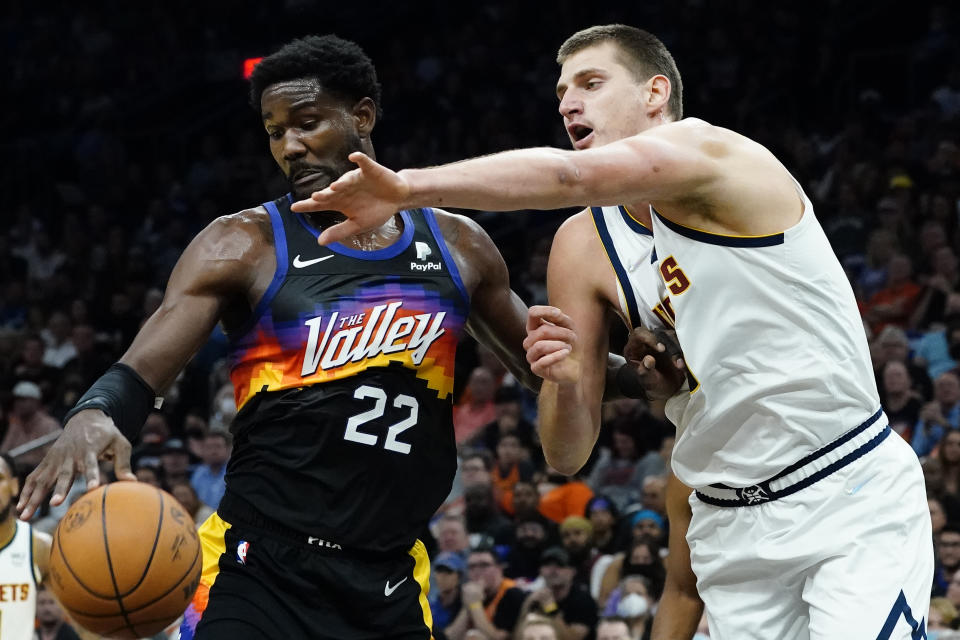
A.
pixel 551 339
pixel 368 196
pixel 87 437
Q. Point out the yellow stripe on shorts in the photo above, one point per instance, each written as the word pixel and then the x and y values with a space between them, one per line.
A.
pixel 421 574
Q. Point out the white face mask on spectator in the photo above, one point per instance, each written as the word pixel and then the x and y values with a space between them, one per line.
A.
pixel 632 605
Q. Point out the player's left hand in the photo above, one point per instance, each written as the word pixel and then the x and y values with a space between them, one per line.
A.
pixel 369 196
pixel 657 361
pixel 550 342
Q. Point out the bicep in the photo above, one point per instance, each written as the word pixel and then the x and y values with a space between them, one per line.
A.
pixel 202 282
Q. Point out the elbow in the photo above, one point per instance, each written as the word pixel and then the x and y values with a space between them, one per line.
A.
pixel 563 460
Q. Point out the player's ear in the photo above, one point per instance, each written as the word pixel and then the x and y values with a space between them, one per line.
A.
pixel 365 116
pixel 658 93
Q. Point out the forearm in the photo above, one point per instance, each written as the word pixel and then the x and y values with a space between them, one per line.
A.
pixel 541 178
pixel 678 615
pixel 480 622
pixel 569 424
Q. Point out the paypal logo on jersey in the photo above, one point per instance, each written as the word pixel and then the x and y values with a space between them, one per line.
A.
pixel 423 252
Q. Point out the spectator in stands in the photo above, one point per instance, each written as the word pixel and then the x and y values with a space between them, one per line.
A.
pixel 939 297
pixel 491 603
pixel 451 534
pixel 900 402
pixel 445 602
pixel 207 478
pixel 562 597
pixel 28 421
pixel 477 409
pixel 526 505
pixel 614 472
pixel 892 344
pixel 507 402
pixel 91 360
pixel 881 246
pixel 482 515
pixel 953 590
pixel 608 534
pixel 32 368
pixel 942 615
pixel 654 494
pixel 531 537
pixel 641 559
pixel 537 627
pixel 648 525
pixel 613 628
pixel 509 468
pixel 948 452
pixel 938 516
pixel 948 554
pixel 632 602
pixel 576 536
pixel 939 351
pixel 59 347
pixel 896 301
pixel 187 496
pixel 50 619
pixel 175 461
pixel 149 474
pixel 654 463
pixel 938 415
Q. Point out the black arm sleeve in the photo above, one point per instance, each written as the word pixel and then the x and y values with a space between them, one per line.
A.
pixel 121 394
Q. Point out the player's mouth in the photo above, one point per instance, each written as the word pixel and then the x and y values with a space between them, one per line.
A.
pixel 307 176
pixel 580 134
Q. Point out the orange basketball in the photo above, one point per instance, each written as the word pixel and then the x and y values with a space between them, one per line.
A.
pixel 125 560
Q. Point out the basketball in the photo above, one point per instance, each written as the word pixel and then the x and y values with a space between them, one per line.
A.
pixel 125 560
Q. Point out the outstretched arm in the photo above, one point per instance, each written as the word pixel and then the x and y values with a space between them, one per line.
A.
pixel 659 164
pixel 216 267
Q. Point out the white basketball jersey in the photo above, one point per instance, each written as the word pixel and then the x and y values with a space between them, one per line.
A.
pixel 774 343
pixel 18 586
pixel 629 247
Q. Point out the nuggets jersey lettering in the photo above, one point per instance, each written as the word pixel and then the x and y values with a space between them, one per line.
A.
pixel 344 381
pixel 630 250
pixel 770 330
pixel 18 586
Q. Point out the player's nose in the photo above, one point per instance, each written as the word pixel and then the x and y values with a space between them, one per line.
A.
pixel 293 146
pixel 570 105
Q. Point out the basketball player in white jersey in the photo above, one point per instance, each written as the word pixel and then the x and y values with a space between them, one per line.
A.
pixel 24 557
pixel 808 519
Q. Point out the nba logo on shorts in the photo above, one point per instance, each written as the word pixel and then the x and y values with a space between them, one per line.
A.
pixel 242 551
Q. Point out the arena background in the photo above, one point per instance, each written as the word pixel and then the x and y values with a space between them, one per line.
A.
pixel 127 129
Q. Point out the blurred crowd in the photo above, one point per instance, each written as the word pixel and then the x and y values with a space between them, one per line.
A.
pixel 132 132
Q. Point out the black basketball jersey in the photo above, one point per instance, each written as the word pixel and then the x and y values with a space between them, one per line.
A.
pixel 344 380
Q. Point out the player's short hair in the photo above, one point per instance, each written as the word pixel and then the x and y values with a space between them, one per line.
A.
pixel 642 53
pixel 340 66
pixel 11 463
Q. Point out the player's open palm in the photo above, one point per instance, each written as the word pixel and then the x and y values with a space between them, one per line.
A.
pixel 368 196
pixel 550 344
pixel 87 437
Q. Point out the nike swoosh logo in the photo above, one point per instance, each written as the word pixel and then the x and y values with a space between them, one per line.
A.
pixel 850 492
pixel 388 590
pixel 300 264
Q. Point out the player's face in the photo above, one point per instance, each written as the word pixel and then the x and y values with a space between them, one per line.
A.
pixel 9 489
pixel 312 132
pixel 613 630
pixel 600 100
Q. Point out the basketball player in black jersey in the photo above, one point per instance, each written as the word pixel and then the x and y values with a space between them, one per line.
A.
pixel 343 360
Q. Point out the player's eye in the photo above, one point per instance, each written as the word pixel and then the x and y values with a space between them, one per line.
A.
pixel 309 125
pixel 275 134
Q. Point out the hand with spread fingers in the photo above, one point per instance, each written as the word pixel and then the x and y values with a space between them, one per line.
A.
pixel 368 196
pixel 657 361
pixel 88 436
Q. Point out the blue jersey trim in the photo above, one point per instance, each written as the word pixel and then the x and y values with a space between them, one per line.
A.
pixel 431 219
pixel 635 225
pixel 385 253
pixel 720 239
pixel 632 310
pixel 918 630
pixel 280 251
